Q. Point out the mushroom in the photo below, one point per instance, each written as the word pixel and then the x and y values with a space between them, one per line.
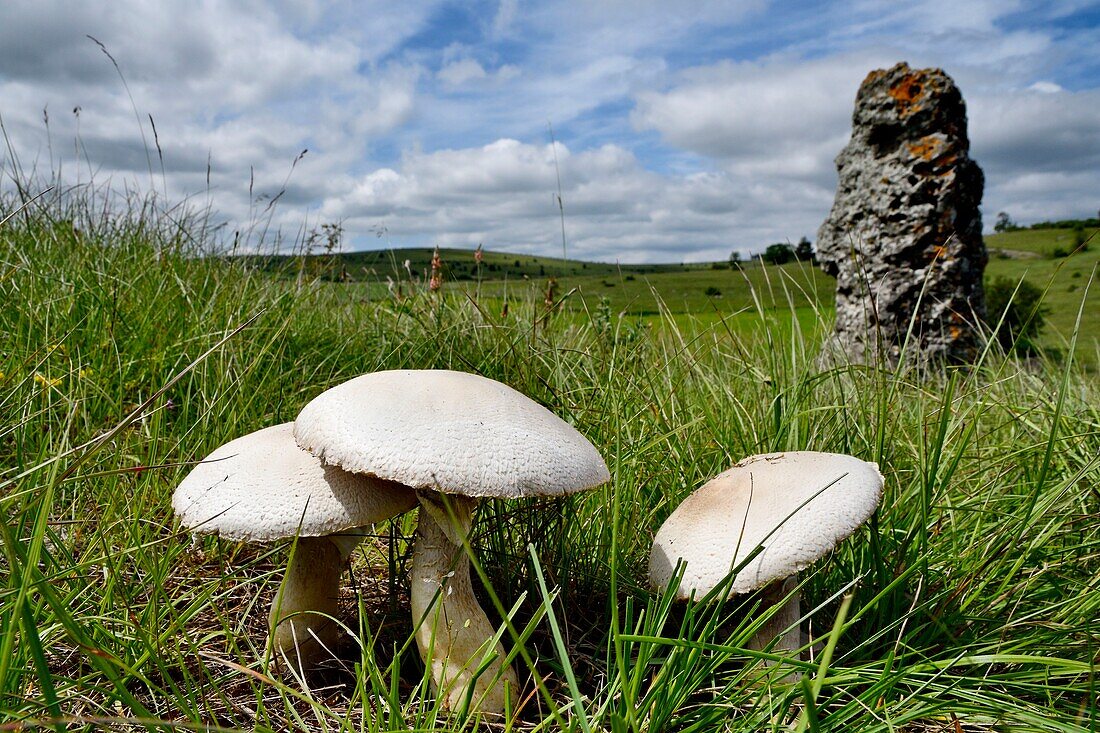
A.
pixel 261 488
pixel 796 506
pixel 455 438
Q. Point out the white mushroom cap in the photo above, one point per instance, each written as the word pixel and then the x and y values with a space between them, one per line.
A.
pixel 826 496
pixel 448 431
pixel 263 487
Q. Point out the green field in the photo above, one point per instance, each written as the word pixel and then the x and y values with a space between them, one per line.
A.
pixel 1065 280
pixel 969 602
pixel 712 291
pixel 1040 242
pixel 703 291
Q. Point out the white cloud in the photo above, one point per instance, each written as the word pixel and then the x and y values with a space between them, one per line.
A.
pixel 458 72
pixel 786 115
pixel 788 118
pixel 227 84
pixel 1025 131
pixel 468 72
pixel 503 195
pixel 505 16
pixel 927 16
pixel 1040 151
pixel 1047 87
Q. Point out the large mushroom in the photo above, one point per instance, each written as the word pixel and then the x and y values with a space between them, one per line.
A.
pixel 795 506
pixel 455 438
pixel 261 488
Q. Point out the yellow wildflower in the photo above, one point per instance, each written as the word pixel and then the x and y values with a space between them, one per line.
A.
pixel 45 382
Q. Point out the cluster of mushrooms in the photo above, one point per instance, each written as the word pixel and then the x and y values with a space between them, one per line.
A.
pixel 381 444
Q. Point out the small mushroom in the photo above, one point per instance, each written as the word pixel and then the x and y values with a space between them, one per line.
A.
pixel 796 506
pixel 455 438
pixel 261 488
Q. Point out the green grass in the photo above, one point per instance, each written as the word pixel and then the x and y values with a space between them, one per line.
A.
pixel 709 291
pixel 972 596
pixel 1038 241
pixel 681 292
pixel 1063 278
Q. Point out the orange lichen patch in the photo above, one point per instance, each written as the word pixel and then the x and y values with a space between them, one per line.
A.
pixel 928 147
pixel 938 251
pixel 955 332
pixel 909 92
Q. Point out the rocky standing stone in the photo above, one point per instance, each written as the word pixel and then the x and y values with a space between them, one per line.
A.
pixel 904 237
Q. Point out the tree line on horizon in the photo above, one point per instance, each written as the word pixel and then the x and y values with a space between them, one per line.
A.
pixel 781 253
pixel 1005 223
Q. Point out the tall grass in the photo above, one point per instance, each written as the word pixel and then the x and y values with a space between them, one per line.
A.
pixel 970 602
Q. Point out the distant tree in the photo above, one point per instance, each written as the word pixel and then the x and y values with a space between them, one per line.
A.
pixel 778 254
pixel 1021 304
pixel 804 251
pixel 735 259
pixel 1004 223
pixel 1079 238
pixel 712 292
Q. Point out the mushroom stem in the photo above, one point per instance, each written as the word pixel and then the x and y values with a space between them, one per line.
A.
pixel 310 593
pixel 452 631
pixel 783 622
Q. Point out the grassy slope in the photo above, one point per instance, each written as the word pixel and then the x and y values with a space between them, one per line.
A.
pixel 1037 241
pixel 1063 278
pixel 975 593
pixel 459 264
pixel 679 291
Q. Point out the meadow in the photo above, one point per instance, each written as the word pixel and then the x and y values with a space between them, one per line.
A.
pixel 1050 260
pixel 970 601
pixel 703 294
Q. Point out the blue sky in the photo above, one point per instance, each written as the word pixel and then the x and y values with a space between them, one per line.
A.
pixel 682 131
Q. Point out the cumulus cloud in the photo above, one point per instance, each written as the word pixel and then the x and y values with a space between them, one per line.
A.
pixel 1048 87
pixel 235 94
pixel 457 72
pixel 462 72
pixel 788 118
pixel 1040 151
pixel 503 194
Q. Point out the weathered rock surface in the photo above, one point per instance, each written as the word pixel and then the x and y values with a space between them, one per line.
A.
pixel 904 238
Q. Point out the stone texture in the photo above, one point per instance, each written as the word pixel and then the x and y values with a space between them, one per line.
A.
pixel 906 220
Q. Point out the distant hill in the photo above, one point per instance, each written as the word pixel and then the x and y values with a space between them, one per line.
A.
pixel 459 265
pixel 1055 241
